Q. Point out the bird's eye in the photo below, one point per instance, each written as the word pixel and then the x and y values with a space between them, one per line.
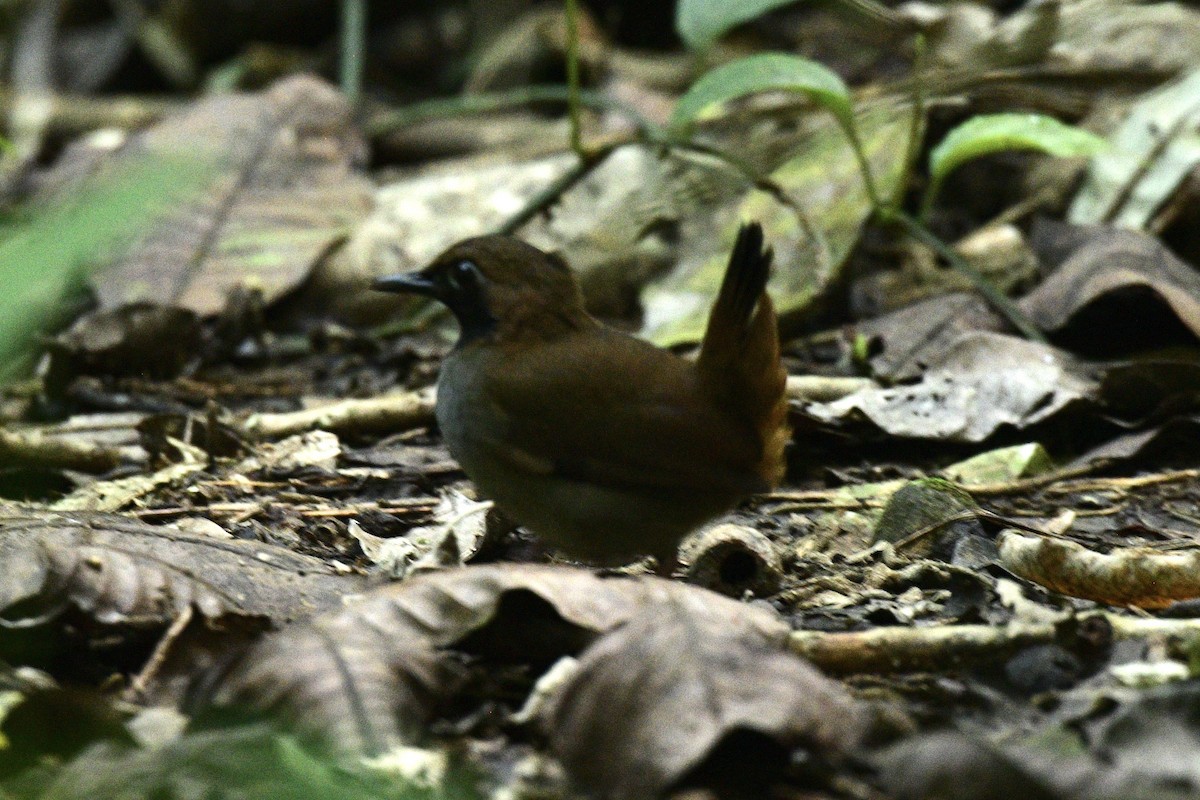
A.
pixel 464 275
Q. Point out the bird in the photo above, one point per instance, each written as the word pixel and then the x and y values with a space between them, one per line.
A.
pixel 601 444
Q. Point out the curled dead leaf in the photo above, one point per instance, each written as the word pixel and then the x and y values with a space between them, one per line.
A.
pixel 666 692
pixel 1117 292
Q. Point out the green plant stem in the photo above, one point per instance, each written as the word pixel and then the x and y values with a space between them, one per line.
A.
pixel 573 88
pixel 916 122
pixel 930 194
pixel 863 164
pixel 354 45
pixel 496 101
pixel 997 298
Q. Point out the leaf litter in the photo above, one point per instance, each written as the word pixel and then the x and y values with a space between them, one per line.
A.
pixel 266 461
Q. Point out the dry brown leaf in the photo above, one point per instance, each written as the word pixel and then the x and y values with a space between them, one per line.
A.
pixel 117 571
pixel 659 695
pixel 359 680
pixel 135 339
pixel 1119 267
pixel 374 673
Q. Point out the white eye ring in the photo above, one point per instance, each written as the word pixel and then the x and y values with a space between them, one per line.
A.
pixel 464 274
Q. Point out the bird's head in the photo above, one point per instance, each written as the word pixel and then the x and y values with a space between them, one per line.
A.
pixel 498 285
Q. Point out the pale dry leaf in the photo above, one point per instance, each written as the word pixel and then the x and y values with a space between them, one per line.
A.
pixel 456 532
pixel 982 381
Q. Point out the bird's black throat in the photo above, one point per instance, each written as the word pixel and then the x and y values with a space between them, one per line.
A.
pixel 474 319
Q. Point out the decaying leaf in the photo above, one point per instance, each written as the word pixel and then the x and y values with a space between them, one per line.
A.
pixel 907 341
pixel 135 339
pixel 393 647
pixel 658 696
pixel 360 680
pixel 283 193
pixel 1125 577
pixel 459 524
pixel 812 231
pixel 118 571
pixel 982 381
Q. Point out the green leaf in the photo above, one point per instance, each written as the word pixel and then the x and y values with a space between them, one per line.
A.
pixel 994 133
pixel 702 22
pixel 760 73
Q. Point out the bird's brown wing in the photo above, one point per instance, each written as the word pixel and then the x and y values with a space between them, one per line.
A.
pixel 612 410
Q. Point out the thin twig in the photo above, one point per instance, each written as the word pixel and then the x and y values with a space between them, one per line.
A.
pixel 998 300
pixel 573 87
pixel 466 105
pixel 556 189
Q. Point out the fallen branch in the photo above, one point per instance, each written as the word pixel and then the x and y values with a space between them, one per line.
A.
pixel 35 447
pixel 936 648
pixel 1127 576
pixel 824 389
pixel 392 413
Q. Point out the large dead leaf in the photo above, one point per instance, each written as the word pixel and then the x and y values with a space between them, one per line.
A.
pixel 118 571
pixel 659 695
pixel 281 194
pixel 374 673
pixel 906 341
pixel 981 382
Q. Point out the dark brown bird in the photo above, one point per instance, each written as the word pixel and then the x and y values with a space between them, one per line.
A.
pixel 602 444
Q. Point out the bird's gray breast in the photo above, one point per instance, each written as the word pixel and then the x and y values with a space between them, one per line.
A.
pixel 466 416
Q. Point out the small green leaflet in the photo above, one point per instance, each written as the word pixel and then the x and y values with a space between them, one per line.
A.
pixel 994 133
pixel 702 22
pixel 760 73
